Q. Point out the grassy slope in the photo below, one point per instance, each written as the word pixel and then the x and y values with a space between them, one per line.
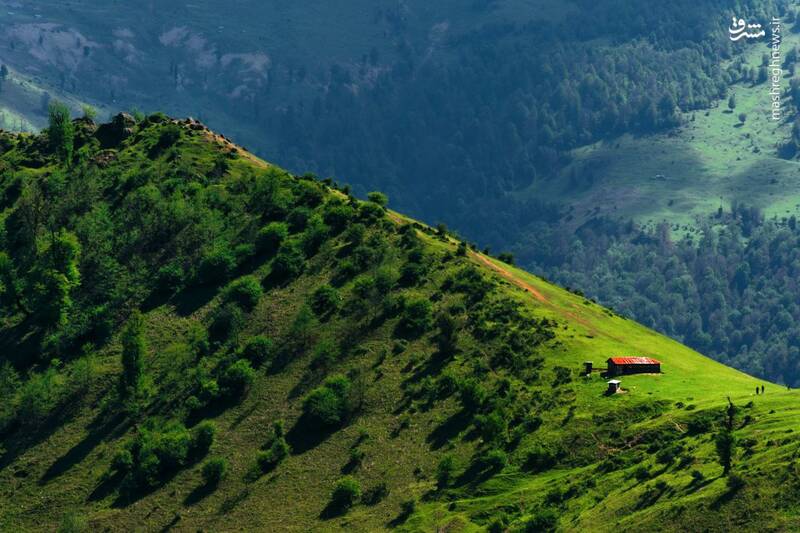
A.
pixel 61 467
pixel 708 162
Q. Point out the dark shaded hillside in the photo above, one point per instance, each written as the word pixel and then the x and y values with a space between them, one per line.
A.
pixel 195 339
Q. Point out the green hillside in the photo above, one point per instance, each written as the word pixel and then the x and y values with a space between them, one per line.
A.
pixel 194 339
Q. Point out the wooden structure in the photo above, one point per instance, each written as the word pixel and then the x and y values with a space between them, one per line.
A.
pixel 587 365
pixel 614 386
pixel 619 366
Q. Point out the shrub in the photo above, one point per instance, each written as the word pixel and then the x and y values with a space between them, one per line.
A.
pixel 326 353
pixel 493 427
pixel 258 350
pixel 735 482
pixel 170 134
pixel 329 405
pixel 337 215
pixel 290 261
pixel 156 452
pixel 472 394
pixel 376 494
pixel 298 218
pixel 237 378
pixel 133 353
pixel 244 292
pixel 315 234
pixel 203 438
pixel 214 470
pixel 216 266
pixel 73 523
pixel 494 460
pixel 540 458
pixel 417 317
pixel 277 452
pixel 122 461
pixel 325 300
pixel 271 236
pixel 444 471
pixel 170 278
pixel 506 257
pixel 563 375
pixel 378 198
pixel 226 323
pixel 346 493
pixel 542 521
pixel 641 473
pixel 370 211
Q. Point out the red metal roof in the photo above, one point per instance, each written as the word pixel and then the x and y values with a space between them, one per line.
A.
pixel 634 361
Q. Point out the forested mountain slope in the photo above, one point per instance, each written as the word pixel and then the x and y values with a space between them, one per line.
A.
pixel 194 339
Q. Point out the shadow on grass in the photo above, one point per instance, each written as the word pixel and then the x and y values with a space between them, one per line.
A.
pixel 99 432
pixel 190 300
pixel 449 429
pixel 307 434
pixel 332 510
pixel 231 503
pixel 200 493
pixel 106 487
pixel 21 437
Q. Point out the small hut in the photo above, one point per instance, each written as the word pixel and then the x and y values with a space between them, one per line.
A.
pixel 613 386
pixel 588 366
pixel 618 366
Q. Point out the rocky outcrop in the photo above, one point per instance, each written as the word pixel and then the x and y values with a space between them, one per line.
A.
pixel 112 134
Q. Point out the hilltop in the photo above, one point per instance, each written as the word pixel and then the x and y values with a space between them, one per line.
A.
pixel 194 338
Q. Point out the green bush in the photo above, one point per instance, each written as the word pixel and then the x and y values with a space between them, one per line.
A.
pixel 416 318
pixel 244 292
pixel 122 461
pixel 378 198
pixel 203 438
pixel 542 521
pixel 157 452
pixel 540 458
pixel 315 234
pixel 325 355
pixel 290 261
pixel 493 427
pixel 214 470
pixel 493 460
pixel 472 395
pixel 258 350
pixel 170 278
pixel 329 404
pixel 444 471
pixel 237 378
pixel 226 322
pixel 298 218
pixel 73 523
pixel 325 300
pixel 346 493
pixel 216 266
pixel 337 215
pixel 278 449
pixel 271 236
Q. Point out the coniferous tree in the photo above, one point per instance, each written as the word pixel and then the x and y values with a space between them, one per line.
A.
pixel 61 130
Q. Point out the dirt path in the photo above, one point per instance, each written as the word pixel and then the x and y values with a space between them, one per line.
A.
pixel 510 277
